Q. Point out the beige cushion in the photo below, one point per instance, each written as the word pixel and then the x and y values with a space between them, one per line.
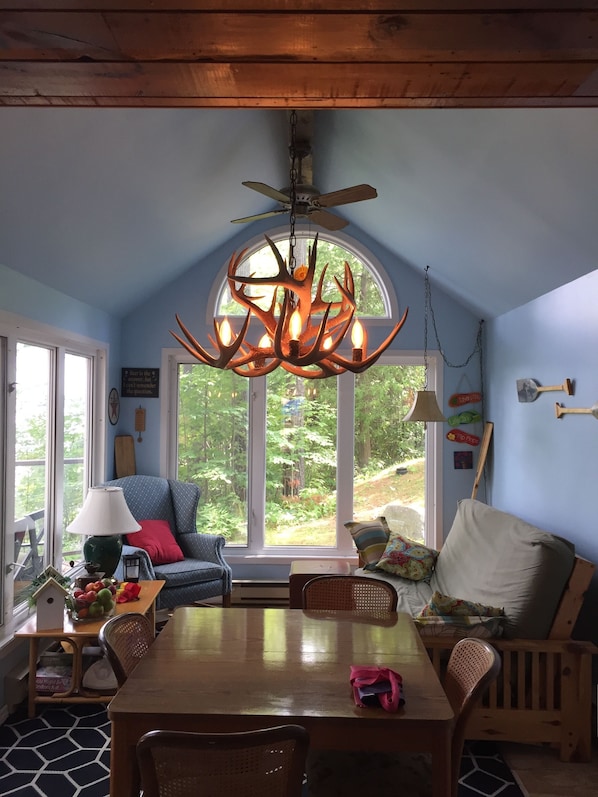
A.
pixel 498 559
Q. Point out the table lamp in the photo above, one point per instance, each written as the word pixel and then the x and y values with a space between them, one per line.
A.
pixel 105 516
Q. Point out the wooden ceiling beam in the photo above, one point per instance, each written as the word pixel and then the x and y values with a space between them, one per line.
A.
pixel 272 53
pixel 299 84
pixel 336 38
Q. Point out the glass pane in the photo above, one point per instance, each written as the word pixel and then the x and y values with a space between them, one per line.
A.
pixel 213 444
pixel 300 461
pixel 32 436
pixel 389 454
pixel 262 263
pixel 76 450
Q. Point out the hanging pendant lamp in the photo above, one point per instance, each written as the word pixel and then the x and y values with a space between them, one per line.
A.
pixel 425 406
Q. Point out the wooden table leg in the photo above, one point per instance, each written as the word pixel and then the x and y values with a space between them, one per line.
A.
pixel 32 692
pixel 441 767
pixel 124 773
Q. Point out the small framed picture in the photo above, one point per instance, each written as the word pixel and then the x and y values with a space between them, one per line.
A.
pixel 463 460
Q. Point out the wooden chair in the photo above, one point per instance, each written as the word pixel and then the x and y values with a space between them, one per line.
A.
pixel 349 593
pixel 125 639
pixel 268 762
pixel 473 666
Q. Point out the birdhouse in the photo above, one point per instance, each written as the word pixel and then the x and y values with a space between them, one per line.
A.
pixel 49 603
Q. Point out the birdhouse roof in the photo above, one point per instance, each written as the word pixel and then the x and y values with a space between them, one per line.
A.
pixel 50 582
pixel 51 572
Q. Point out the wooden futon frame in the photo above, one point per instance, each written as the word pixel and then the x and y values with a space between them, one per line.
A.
pixel 544 690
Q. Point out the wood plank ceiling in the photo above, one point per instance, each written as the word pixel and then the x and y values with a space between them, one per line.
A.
pixel 307 53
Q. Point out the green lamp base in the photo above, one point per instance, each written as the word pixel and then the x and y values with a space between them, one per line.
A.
pixel 104 551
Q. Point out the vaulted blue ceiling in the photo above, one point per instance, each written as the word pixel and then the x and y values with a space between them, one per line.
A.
pixel 109 205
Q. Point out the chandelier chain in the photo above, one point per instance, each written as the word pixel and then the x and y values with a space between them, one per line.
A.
pixel 293 190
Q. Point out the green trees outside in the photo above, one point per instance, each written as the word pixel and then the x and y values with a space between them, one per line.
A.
pixel 301 429
pixel 299 473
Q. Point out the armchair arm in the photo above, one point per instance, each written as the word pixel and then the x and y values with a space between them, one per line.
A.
pixel 207 548
pixel 146 568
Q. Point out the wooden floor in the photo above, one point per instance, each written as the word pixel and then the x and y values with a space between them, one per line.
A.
pixel 543 775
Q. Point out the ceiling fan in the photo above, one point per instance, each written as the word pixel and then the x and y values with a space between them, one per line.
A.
pixel 308 201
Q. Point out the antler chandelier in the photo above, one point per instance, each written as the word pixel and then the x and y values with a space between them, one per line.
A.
pixel 301 332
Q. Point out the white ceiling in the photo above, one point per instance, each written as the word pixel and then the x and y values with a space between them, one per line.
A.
pixel 109 205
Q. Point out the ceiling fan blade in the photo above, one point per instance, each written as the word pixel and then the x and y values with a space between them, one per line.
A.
pixel 327 220
pixel 345 196
pixel 258 216
pixel 266 190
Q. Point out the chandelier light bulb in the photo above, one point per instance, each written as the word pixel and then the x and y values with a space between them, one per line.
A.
pixel 226 334
pixel 357 341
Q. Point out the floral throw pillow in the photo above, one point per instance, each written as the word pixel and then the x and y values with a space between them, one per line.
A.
pixel 407 558
pixel 441 605
pixel 460 626
pixel 370 538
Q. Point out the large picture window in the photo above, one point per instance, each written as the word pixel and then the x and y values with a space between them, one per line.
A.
pixel 282 461
pixel 51 458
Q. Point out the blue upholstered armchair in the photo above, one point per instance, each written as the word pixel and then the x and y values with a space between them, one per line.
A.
pixel 203 573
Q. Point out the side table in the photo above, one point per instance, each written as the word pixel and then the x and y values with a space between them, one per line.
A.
pixel 304 570
pixel 79 635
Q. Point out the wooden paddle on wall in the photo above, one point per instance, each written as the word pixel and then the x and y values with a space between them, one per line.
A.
pixel 124 455
pixel 529 390
pixel 560 410
pixel 488 427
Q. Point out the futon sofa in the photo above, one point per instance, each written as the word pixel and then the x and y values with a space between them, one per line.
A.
pixel 544 692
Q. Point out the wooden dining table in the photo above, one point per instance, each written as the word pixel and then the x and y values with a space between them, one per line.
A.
pixel 234 669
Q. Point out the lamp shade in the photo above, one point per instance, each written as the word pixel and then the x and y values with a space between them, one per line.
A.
pixel 105 512
pixel 104 516
pixel 425 408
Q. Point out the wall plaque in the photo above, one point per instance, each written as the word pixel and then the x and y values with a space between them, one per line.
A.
pixel 140 383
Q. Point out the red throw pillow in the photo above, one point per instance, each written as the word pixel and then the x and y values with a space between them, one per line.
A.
pixel 156 538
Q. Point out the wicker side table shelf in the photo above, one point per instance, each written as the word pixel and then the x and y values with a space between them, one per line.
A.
pixel 79 636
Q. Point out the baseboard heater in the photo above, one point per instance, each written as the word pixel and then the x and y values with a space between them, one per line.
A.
pixel 260 592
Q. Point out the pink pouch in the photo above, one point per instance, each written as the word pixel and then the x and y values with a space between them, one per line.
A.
pixel 377 686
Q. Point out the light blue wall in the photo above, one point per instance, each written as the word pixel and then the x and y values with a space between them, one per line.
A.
pixel 32 300
pixel 146 332
pixel 544 469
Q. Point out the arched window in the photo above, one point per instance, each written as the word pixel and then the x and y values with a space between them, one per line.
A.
pixel 373 298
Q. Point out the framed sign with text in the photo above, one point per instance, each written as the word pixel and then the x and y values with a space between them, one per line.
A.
pixel 140 383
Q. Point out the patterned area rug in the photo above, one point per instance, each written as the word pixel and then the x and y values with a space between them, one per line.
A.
pixel 65 752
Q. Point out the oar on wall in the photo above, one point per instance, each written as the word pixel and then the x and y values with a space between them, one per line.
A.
pixel 529 390
pixel 560 410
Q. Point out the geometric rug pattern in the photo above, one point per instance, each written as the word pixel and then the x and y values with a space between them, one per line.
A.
pixel 65 752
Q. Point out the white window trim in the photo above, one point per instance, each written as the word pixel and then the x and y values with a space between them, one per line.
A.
pixel 15 328
pixel 172 357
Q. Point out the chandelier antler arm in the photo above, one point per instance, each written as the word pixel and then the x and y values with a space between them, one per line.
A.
pixel 362 365
pixel 347 291
pixel 253 369
pixel 323 370
pixel 226 352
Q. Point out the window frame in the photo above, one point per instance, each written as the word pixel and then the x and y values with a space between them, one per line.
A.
pixel 15 329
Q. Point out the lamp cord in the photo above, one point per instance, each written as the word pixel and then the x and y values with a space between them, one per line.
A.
pixel 477 347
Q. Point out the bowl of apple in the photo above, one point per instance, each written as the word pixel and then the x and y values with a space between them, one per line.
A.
pixel 93 602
